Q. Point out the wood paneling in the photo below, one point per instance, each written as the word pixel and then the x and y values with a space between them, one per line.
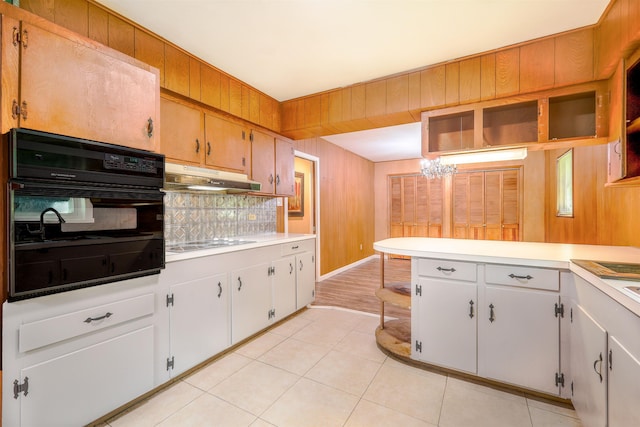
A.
pixel 195 81
pixel 574 57
pixel 347 204
pixel 432 87
pixel 210 86
pixel 470 80
pixel 98 26
pixel 121 36
pixel 72 14
pixel 397 97
pixel 488 76
pixel 176 70
pixel 376 98
pixel 537 65
pixel 452 83
pixel 150 50
pixel 507 72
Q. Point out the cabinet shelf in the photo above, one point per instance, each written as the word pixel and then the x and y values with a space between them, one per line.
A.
pixel 634 126
pixel 398 294
pixel 395 337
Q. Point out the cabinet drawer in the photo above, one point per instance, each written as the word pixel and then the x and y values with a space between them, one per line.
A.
pixel 523 277
pixel 37 334
pixel 441 268
pixel 297 247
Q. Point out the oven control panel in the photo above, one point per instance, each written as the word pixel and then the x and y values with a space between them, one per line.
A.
pixel 129 163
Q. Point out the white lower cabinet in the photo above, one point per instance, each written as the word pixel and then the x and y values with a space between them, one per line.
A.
pixel 283 279
pixel 588 368
pixel 305 279
pixel 76 388
pixel 624 385
pixel 499 322
pixel 605 359
pixel 520 337
pixel 250 301
pixel 444 312
pixel 199 321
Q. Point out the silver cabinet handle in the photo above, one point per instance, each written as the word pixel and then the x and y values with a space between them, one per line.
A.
pixel 95 319
pixel 492 316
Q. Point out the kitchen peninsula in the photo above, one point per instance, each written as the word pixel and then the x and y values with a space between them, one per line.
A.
pixel 526 315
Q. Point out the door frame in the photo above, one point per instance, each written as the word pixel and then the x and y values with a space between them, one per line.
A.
pixel 316 201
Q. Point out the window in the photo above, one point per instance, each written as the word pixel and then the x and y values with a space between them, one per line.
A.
pixel 564 184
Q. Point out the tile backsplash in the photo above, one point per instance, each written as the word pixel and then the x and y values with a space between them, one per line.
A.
pixel 193 216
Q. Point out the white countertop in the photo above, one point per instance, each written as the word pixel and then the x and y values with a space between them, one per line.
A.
pixel 258 241
pixel 548 255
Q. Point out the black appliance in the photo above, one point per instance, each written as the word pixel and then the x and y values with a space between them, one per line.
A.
pixel 81 213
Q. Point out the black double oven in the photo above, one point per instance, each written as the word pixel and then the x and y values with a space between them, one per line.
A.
pixel 81 213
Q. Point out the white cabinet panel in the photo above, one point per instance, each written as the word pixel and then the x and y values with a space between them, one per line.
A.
pixel 624 386
pixel 519 337
pixel 306 279
pixel 284 287
pixel 199 321
pixel 78 387
pixel 250 301
pixel 447 269
pixel 444 321
pixel 523 277
pixel 588 368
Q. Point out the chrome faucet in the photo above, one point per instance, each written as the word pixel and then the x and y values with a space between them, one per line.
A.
pixel 40 231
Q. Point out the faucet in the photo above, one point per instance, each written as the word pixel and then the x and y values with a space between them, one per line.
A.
pixel 40 231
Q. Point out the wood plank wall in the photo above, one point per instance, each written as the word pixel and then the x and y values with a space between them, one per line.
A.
pixel 346 204
pixel 180 72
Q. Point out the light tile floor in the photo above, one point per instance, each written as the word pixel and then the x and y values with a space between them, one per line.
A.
pixel 323 368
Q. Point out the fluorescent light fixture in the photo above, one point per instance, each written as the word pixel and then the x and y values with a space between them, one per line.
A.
pixel 208 188
pixel 499 155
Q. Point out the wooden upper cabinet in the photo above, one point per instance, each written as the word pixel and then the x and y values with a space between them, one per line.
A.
pixel 10 57
pixel 182 137
pixel 263 158
pixel 285 169
pixel 227 145
pixel 91 92
pixel 177 71
pixel 508 72
pixel 273 163
pixel 574 57
pixel 537 65
pixel 470 80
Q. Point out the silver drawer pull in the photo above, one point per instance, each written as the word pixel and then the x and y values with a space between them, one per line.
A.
pixel 95 319
pixel 527 277
pixel 446 270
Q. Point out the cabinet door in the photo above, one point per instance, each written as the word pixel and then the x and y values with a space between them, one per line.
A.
pixel 395 200
pixel 227 145
pixel 10 57
pixel 284 287
pixel 444 323
pixel 519 337
pixel 588 368
pixel 199 321
pixel 468 206
pixel 624 386
pixel 263 160
pixel 88 93
pixel 285 171
pixel 93 381
pixel 436 207
pixel 409 206
pixel 250 301
pixel 182 135
pixel 306 279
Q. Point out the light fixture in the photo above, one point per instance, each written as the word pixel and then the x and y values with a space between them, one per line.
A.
pixel 435 169
pixel 497 155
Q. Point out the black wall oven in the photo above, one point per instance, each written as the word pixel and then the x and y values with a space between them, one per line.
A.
pixel 81 213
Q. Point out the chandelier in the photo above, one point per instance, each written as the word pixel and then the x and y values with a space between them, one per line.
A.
pixel 435 169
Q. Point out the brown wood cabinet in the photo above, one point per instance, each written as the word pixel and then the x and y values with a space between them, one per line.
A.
pixel 416 206
pixel 182 139
pixel 486 205
pixel 559 115
pixel 92 92
pixel 227 145
pixel 632 120
pixel 272 163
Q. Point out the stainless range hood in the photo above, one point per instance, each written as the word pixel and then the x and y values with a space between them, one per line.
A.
pixel 200 179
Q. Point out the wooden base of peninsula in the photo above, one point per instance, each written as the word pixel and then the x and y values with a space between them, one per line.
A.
pixel 394 336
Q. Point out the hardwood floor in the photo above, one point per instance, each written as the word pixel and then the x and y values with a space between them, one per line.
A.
pixel 355 288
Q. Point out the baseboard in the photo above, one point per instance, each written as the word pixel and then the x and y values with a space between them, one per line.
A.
pixel 347 267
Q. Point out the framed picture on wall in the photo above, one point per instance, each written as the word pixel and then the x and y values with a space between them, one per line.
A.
pixel 296 202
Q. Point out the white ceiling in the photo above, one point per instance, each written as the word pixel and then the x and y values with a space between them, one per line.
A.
pixel 292 48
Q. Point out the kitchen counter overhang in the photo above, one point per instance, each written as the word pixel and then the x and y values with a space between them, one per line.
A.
pixel 546 255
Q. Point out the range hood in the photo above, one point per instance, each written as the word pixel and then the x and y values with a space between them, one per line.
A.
pixel 195 178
